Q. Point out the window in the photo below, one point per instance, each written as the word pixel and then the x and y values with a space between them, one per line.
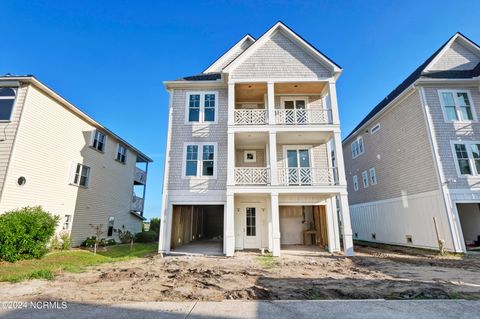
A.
pixel 357 147
pixel 375 128
pixel 98 142
pixel 365 179
pixel 81 175
pixel 457 105
pixel 251 222
pixel 111 220
pixel 203 165
pixel 373 176
pixel 121 153
pixel 462 159
pixel 476 156
pixel 250 156
pixel 201 107
pixel 68 220
pixel 7 100
pixel 355 183
pixel 467 155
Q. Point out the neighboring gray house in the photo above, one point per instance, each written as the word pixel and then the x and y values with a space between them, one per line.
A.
pixel 416 156
pixel 250 151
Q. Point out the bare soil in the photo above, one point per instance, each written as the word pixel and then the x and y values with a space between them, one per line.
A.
pixel 373 273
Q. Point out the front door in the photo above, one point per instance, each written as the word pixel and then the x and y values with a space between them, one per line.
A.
pixel 298 167
pixel 252 236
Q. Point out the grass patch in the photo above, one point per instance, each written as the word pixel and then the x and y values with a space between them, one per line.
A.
pixel 266 261
pixel 71 261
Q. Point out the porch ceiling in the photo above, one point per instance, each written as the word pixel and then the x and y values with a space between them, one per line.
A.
pixel 251 140
pixel 250 92
pixel 300 88
pixel 301 138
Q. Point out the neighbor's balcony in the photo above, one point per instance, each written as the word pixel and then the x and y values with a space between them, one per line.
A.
pixel 140 177
pixel 303 116
pixel 137 204
pixel 307 176
pixel 251 117
pixel 252 176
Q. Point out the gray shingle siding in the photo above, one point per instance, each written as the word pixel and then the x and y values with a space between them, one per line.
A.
pixel 457 57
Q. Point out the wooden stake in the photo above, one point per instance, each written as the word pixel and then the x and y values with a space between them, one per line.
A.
pixel 131 244
pixel 441 242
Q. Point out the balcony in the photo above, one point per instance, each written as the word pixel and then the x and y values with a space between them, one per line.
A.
pixel 250 117
pixel 307 176
pixel 140 177
pixel 252 176
pixel 137 204
pixel 302 116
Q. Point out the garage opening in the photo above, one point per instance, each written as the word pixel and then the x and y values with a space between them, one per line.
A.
pixel 470 220
pixel 303 227
pixel 197 229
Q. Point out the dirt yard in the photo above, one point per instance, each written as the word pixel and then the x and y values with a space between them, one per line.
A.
pixel 372 273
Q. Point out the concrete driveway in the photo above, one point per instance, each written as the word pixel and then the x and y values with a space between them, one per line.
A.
pixel 435 309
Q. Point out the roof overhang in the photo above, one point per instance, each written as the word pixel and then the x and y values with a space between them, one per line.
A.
pixel 194 84
pixel 214 67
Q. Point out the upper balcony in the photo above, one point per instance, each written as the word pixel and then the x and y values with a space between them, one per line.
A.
pixel 303 103
pixel 140 177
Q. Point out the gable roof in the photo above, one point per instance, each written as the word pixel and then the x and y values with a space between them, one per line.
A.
pixel 295 37
pixel 230 54
pixel 419 73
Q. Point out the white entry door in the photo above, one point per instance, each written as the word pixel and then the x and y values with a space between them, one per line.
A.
pixel 252 230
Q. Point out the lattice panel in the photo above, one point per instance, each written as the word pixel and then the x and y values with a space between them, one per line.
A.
pixel 250 117
pixel 252 176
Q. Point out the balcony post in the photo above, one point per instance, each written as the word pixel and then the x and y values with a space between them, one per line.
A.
pixel 332 90
pixel 272 150
pixel 275 224
pixel 228 220
pixel 231 159
pixel 347 228
pixel 231 103
pixel 271 102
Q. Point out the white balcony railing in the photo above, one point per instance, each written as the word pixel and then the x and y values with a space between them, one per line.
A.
pixel 252 175
pixel 137 204
pixel 251 117
pixel 140 176
pixel 302 117
pixel 307 176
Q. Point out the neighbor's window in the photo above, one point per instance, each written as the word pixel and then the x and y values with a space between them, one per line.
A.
pixel 462 159
pixel 375 128
pixel 355 183
pixel 111 220
pixel 365 179
pixel 357 147
pixel 457 105
pixel 121 153
pixel 81 175
pixel 201 107
pixel 7 100
pixel 203 165
pixel 68 220
pixel 373 176
pixel 98 142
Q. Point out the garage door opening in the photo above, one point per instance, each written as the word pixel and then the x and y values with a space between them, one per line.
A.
pixel 197 229
pixel 470 220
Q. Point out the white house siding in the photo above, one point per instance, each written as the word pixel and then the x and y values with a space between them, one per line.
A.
pixel 8 131
pixel 280 57
pixel 400 153
pixel 456 57
pixel 50 138
pixel 182 133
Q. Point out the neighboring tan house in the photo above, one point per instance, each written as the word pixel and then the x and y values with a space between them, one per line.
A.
pixel 416 156
pixel 54 155
pixel 251 149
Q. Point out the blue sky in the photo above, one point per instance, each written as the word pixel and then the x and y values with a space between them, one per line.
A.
pixel 109 58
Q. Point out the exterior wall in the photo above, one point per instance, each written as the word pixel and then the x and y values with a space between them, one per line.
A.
pixel 260 158
pixel 456 57
pixel 393 219
pixel 182 132
pixel 9 130
pixel 400 153
pixel 235 54
pixel 280 57
pixel 318 155
pixel 50 139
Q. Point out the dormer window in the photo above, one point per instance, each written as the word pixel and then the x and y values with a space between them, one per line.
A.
pixel 7 100
pixel 357 147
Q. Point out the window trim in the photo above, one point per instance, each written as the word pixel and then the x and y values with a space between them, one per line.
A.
pixel 471 160
pixel 372 169
pixel 294 98
pixel 457 107
pixel 375 129
pixel 201 117
pixel 356 141
pixel 14 106
pixel 297 148
pixel 365 181
pixel 116 153
pixel 92 140
pixel 74 172
pixel 355 183
pixel 200 160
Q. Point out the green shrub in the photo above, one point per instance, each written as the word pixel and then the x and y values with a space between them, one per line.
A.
pixel 146 237
pixel 25 233
pixel 66 240
pixel 110 242
pixel 155 225
pixel 90 241
pixel 125 236
pixel 55 243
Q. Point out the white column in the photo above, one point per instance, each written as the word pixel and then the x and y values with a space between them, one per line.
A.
pixel 229 226
pixel 330 225
pixel 271 102
pixel 336 229
pixel 347 228
pixel 231 159
pixel 275 225
pixel 332 91
pixel 165 226
pixel 272 149
pixel 337 147
pixel 231 103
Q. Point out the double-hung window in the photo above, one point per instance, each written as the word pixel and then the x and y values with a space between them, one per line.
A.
pixel 365 179
pixel 201 107
pixel 467 156
pixel 68 221
pixel 121 155
pixel 81 175
pixel 357 147
pixel 355 183
pixel 200 160
pixel 457 105
pixel 7 100
pixel 373 176
pixel 98 141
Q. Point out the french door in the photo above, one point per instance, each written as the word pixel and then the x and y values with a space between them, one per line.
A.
pixel 299 171
pixel 295 111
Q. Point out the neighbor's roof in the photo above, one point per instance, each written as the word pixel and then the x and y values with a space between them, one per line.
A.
pixel 420 73
pixel 33 80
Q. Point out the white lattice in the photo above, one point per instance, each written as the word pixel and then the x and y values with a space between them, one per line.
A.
pixel 302 116
pixel 252 176
pixel 306 176
pixel 251 116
